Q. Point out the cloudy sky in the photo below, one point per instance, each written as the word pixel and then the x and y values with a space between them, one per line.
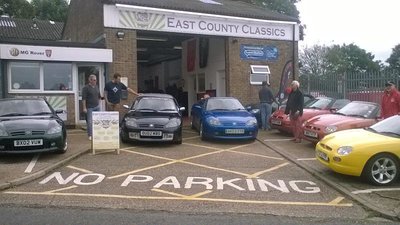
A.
pixel 373 25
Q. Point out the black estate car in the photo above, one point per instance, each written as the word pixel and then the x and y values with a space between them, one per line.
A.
pixel 30 125
pixel 153 117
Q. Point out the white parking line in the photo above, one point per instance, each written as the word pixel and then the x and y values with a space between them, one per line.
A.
pixel 279 139
pixel 367 191
pixel 32 164
pixel 306 159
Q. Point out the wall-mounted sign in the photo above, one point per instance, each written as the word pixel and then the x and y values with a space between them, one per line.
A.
pixel 164 20
pixel 258 52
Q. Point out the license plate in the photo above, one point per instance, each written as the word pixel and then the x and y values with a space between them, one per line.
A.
pixel 150 133
pixel 32 142
pixel 234 131
pixel 322 155
pixel 310 134
pixel 276 122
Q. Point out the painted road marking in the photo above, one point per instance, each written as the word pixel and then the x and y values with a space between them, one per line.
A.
pixel 367 191
pixel 32 164
pixel 255 175
pixel 184 160
pixel 189 138
pixel 62 189
pixel 190 132
pixel 335 202
pixel 306 159
pixel 79 169
pixel 279 139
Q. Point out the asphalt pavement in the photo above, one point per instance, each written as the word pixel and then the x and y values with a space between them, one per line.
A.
pixel 383 201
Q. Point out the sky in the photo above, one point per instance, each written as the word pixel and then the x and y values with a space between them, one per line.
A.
pixel 373 25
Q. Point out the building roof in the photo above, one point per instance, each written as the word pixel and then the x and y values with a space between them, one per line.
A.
pixel 219 7
pixel 26 29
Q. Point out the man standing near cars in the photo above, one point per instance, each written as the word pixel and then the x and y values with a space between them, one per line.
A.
pixel 266 99
pixel 390 104
pixel 294 108
pixel 113 90
pixel 90 102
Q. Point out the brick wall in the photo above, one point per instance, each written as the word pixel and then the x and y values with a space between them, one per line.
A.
pixel 238 70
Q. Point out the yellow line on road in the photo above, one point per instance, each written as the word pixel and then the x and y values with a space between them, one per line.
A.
pixel 189 138
pixel 169 193
pixel 62 189
pixel 336 200
pixel 255 175
pixel 79 169
pixel 199 194
pixel 140 170
pixel 253 154
pixel 202 146
pixel 184 199
pixel 215 168
pixel 148 155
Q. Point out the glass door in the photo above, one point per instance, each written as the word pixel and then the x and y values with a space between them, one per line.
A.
pixel 84 71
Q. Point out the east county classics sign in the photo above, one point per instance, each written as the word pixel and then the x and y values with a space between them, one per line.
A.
pixel 144 18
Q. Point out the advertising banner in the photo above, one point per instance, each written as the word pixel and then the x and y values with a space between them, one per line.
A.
pixel 105 131
pixel 259 52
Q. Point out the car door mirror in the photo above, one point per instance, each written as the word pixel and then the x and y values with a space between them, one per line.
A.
pixel 125 106
pixel 182 109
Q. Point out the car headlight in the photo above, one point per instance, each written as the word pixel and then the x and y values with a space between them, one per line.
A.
pixel 55 129
pixel 345 150
pixel 330 129
pixel 3 132
pixel 251 122
pixel 131 123
pixel 255 111
pixel 213 121
pixel 174 122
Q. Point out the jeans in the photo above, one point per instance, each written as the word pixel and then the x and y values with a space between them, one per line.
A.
pixel 89 119
pixel 265 110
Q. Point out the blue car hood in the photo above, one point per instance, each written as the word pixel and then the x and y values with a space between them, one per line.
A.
pixel 238 115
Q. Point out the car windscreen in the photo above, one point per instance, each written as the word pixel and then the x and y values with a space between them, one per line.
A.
pixel 155 104
pixel 340 103
pixel 320 103
pixel 224 104
pixel 389 126
pixel 24 108
pixel 359 109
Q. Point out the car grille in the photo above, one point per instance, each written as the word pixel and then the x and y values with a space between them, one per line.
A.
pixel 158 126
pixel 233 124
pixel 312 127
pixel 326 147
pixel 24 133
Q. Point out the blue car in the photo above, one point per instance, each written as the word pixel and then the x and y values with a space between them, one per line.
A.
pixel 223 118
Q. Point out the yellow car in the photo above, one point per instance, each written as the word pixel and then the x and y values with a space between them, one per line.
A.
pixel 373 152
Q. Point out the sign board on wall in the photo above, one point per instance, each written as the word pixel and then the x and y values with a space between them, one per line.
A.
pixel 31 52
pixel 163 20
pixel 258 52
pixel 105 131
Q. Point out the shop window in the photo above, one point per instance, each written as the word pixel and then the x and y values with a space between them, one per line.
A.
pixel 57 76
pixel 25 76
pixel 259 73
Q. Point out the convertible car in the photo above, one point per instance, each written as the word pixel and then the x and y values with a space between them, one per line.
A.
pixel 356 114
pixel 373 152
pixel 30 125
pixel 320 105
pixel 153 118
pixel 223 118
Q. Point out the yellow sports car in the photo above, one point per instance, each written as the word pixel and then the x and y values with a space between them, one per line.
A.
pixel 372 152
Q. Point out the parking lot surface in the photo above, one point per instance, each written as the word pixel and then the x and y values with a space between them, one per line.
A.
pixel 271 175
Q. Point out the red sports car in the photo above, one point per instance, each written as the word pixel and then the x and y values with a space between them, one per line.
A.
pixel 356 114
pixel 321 105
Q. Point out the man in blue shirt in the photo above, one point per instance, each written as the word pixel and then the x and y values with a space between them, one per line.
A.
pixel 113 90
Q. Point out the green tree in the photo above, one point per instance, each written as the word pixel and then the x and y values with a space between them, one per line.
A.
pixel 394 58
pixel 286 7
pixel 16 9
pixel 55 10
pixel 313 60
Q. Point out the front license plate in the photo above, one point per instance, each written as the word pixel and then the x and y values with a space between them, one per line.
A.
pixel 322 155
pixel 150 133
pixel 276 122
pixel 234 131
pixel 310 134
pixel 32 142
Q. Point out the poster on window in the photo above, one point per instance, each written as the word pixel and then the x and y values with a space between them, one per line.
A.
pixel 191 55
pixel 105 130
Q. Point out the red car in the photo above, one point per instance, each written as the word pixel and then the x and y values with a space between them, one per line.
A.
pixel 321 105
pixel 356 114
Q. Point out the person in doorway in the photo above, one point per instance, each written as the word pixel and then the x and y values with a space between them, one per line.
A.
pixel 294 108
pixel 390 104
pixel 90 102
pixel 266 99
pixel 113 90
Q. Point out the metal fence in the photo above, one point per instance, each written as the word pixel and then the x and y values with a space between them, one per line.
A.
pixel 367 86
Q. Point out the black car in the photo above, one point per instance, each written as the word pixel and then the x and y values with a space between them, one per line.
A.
pixel 153 117
pixel 255 107
pixel 30 125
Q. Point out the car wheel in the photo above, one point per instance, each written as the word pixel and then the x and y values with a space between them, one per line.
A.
pixel 63 149
pixel 178 142
pixel 382 169
pixel 201 133
pixel 192 124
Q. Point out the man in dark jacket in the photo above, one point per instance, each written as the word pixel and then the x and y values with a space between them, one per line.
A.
pixel 294 108
pixel 266 99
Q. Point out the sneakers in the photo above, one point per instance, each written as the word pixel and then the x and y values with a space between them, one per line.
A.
pixel 90 138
